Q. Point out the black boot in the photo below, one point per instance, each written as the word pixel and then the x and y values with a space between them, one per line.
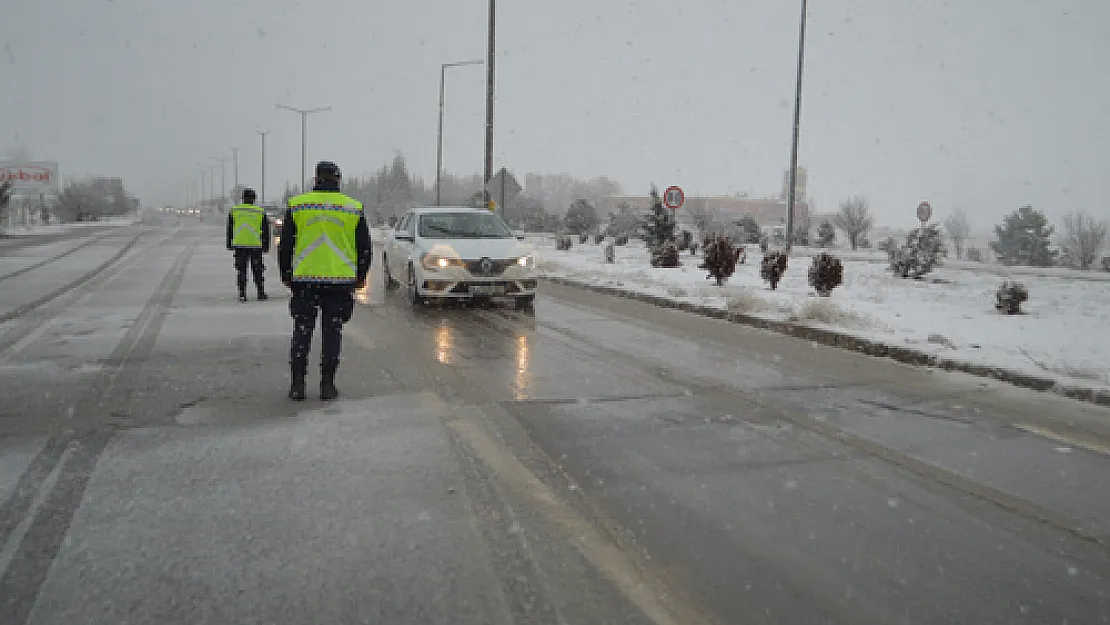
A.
pixel 328 391
pixel 242 295
pixel 297 384
pixel 262 295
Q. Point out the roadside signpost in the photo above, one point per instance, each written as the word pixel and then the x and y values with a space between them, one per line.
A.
pixel 673 197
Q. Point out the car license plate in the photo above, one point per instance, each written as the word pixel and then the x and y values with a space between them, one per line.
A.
pixel 486 289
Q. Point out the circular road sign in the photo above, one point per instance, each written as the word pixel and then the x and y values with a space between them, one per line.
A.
pixel 924 211
pixel 673 197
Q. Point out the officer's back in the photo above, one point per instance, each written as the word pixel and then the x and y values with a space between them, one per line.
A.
pixel 324 255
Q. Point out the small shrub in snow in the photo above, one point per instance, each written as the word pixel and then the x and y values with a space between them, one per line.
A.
pixel 665 256
pixel 599 237
pixel 720 259
pixel 741 255
pixel 563 243
pixel 888 245
pixel 610 253
pixel 583 238
pixel 1009 297
pixel 693 249
pixel 622 240
pixel 826 273
pixel 764 245
pixel 920 254
pixel 974 254
pixel 772 268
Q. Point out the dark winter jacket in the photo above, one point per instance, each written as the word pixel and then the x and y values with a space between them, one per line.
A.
pixel 266 238
pixel 289 241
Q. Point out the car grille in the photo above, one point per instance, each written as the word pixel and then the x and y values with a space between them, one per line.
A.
pixel 488 266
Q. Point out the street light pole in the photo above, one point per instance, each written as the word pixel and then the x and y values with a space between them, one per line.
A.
pixel 304 113
pixel 794 144
pixel 489 99
pixel 262 189
pixel 439 135
pixel 235 159
pixel 223 178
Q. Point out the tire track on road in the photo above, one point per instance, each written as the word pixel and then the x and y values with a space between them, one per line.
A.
pixel 87 439
pixel 41 263
pixel 62 290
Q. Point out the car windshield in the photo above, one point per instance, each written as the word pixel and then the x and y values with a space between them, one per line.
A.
pixel 463 226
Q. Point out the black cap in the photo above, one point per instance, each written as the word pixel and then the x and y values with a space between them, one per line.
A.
pixel 327 169
pixel 249 196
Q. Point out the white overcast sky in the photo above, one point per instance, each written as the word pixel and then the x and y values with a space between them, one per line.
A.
pixel 980 104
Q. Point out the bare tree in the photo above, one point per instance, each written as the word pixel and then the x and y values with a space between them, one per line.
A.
pixel 958 227
pixel 854 218
pixel 1083 238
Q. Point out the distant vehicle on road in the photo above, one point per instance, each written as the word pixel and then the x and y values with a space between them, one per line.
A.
pixel 459 253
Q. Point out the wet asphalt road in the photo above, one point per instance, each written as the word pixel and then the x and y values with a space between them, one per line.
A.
pixel 596 461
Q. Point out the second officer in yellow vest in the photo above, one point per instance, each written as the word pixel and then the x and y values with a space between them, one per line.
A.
pixel 248 233
pixel 324 255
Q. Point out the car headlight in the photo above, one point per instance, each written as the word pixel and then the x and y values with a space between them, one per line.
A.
pixel 433 262
pixel 277 222
pixel 526 261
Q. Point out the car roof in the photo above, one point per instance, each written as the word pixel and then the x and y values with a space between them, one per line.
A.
pixel 431 210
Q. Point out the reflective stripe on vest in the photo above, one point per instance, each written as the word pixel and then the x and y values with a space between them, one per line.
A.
pixel 325 250
pixel 246 226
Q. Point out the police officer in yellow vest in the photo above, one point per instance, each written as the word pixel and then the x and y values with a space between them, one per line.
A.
pixel 324 255
pixel 248 233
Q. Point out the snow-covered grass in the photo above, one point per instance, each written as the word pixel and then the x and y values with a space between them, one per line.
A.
pixel 1064 333
pixel 125 220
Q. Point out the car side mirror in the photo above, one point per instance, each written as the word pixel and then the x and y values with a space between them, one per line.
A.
pixel 402 236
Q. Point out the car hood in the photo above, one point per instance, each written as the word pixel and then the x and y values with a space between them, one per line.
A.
pixel 471 249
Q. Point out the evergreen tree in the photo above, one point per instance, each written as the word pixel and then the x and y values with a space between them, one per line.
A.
pixel 1023 238
pixel 660 225
pixel 750 232
pixel 826 234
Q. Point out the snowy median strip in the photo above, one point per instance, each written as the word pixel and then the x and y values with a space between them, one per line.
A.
pixel 946 320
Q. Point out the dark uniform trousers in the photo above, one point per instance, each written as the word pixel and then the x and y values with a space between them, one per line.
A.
pixel 336 305
pixel 254 257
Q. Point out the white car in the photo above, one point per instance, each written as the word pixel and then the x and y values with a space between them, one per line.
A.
pixel 459 253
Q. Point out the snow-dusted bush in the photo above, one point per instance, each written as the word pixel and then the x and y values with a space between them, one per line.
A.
pixel 610 253
pixel 599 237
pixel 920 254
pixel 563 243
pixel 826 273
pixel 622 240
pixel 720 259
pixel 665 256
pixel 974 254
pixel 1009 297
pixel 772 268
pixel 583 238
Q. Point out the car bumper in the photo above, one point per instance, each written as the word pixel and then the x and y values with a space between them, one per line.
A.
pixel 452 288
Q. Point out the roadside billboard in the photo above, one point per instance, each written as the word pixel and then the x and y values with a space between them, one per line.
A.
pixel 30 177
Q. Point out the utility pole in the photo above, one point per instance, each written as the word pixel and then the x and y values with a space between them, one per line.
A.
pixel 489 99
pixel 235 159
pixel 794 144
pixel 304 113
pixel 439 135
pixel 262 189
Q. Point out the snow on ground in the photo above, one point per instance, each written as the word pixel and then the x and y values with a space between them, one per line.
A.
pixel 126 220
pixel 1065 333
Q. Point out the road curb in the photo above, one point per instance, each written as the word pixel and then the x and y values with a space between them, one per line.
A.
pixel 870 347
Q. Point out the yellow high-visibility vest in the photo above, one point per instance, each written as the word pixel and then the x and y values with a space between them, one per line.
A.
pixel 325 250
pixel 246 226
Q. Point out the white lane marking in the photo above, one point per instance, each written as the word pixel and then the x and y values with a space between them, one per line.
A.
pixel 1072 441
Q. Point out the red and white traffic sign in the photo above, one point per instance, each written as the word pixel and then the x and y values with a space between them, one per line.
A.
pixel 673 197
pixel 924 212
